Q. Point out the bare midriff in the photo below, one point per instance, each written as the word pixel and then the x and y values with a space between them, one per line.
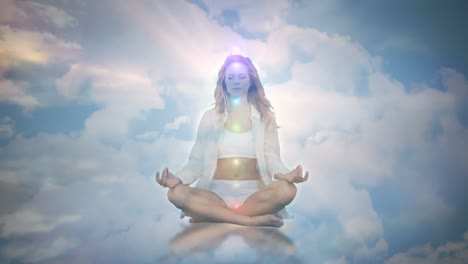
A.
pixel 236 169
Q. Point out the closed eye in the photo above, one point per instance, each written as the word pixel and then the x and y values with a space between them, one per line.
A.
pixel 240 76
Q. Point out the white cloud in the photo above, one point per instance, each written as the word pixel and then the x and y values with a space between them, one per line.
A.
pixel 363 120
pixel 44 251
pixel 454 82
pixel 175 125
pixel 7 125
pixel 89 196
pixel 61 160
pixel 29 14
pixel 342 118
pixel 70 84
pixel 19 46
pixel 254 17
pixel 28 221
pixel 124 94
pixel 450 252
pixel 352 208
pixel 325 92
pixel 341 260
pixel 11 93
pixel 148 135
pixel 51 14
pixel 194 48
pixel 361 139
pixel 28 58
pixel 11 12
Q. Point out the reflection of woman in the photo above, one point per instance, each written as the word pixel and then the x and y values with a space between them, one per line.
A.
pixel 206 237
pixel 235 157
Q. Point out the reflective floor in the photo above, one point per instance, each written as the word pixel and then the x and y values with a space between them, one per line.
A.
pixel 132 222
pixel 227 243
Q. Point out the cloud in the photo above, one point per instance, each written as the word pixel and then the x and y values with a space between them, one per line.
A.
pixel 27 14
pixel 31 222
pixel 6 130
pixel 175 125
pixel 51 14
pixel 257 17
pixel 47 249
pixel 55 159
pixel 194 48
pixel 11 12
pixel 148 135
pixel 124 94
pixel 19 46
pixel 364 121
pixel 7 126
pixel 450 252
pixel 28 59
pixel 348 122
pixel 454 82
pixel 79 206
pixel 14 94
pixel 430 33
pixel 361 141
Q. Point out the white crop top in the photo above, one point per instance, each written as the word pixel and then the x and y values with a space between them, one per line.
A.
pixel 236 145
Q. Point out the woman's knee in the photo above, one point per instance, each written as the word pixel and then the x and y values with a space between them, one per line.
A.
pixel 286 191
pixel 178 195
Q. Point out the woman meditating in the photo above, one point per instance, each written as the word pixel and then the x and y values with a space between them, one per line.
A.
pixel 236 157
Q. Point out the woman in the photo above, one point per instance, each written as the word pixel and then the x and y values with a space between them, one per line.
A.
pixel 235 157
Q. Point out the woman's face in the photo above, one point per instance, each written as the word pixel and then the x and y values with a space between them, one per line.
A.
pixel 237 79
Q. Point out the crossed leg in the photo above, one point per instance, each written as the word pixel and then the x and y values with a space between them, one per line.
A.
pixel 270 199
pixel 258 209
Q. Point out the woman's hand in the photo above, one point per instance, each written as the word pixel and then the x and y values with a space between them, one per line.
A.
pixel 167 179
pixel 294 176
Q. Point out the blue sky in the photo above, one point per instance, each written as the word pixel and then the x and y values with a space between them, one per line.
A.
pixel 97 97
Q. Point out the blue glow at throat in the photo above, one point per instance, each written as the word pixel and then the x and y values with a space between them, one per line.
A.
pixel 235 100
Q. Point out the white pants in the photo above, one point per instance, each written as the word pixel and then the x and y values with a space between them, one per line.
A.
pixel 234 192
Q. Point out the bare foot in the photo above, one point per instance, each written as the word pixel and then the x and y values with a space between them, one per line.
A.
pixel 267 220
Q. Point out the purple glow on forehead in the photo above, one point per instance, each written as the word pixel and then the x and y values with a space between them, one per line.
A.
pixel 236 67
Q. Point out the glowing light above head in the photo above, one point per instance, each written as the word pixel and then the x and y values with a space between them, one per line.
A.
pixel 235 50
pixel 236 162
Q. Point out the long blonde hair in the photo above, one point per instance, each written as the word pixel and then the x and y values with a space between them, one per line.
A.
pixel 256 92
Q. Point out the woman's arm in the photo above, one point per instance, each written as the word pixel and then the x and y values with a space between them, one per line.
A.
pixel 273 160
pixel 194 167
pixel 275 166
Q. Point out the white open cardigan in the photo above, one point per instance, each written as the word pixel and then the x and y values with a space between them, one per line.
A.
pixel 204 154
